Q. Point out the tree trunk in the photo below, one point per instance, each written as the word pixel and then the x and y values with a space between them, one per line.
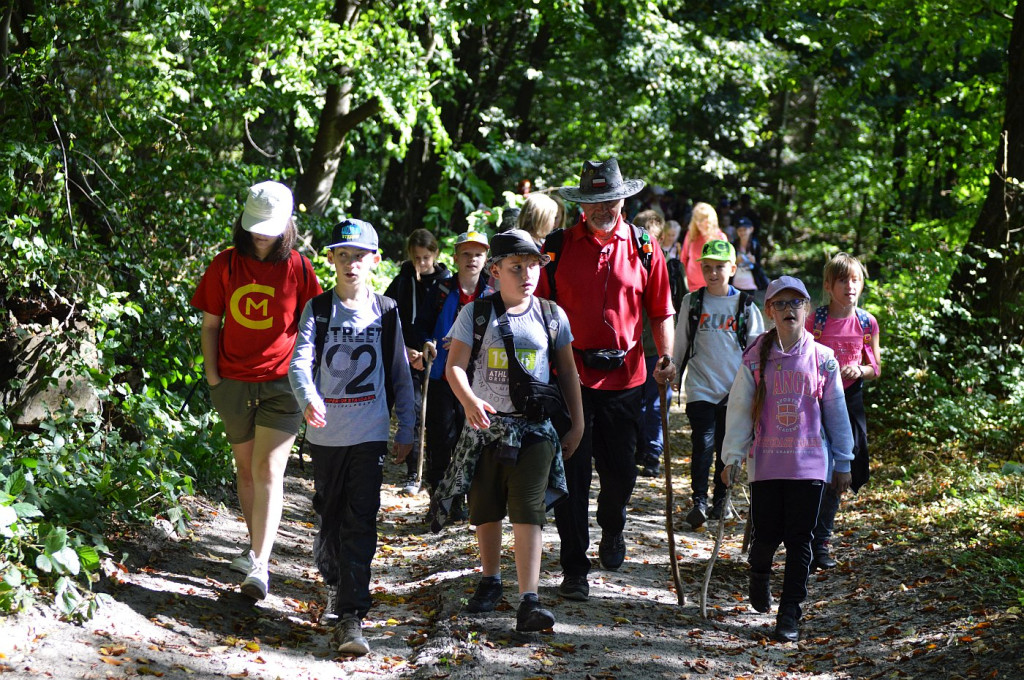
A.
pixel 989 280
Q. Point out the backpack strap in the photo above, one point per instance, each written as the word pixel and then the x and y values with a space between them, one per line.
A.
pixel 644 245
pixel 692 322
pixel 553 248
pixel 444 289
pixel 743 318
pixel 389 327
pixel 820 317
pixel 481 316
pixel 321 308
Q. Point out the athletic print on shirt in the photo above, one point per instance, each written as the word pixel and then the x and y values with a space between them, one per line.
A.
pixel 497 363
pixel 717 322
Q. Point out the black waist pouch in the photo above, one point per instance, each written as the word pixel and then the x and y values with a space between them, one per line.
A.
pixel 603 359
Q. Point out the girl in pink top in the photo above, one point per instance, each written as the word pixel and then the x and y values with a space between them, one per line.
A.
pixel 852 334
pixel 703 228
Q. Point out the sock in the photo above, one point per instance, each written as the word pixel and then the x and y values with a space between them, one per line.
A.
pixel 529 596
pixel 496 578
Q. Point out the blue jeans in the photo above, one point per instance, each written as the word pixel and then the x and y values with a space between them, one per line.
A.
pixel 650 444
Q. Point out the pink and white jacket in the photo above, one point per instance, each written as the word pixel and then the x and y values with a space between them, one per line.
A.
pixel 804 430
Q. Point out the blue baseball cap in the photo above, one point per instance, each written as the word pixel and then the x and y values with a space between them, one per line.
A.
pixel 355 233
pixel 786 283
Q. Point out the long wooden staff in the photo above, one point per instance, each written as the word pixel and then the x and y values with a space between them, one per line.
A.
pixel 669 500
pixel 718 542
pixel 428 359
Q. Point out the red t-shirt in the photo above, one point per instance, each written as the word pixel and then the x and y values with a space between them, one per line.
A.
pixel 261 303
pixel 603 287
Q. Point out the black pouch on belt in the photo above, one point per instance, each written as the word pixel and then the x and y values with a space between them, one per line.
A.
pixel 603 359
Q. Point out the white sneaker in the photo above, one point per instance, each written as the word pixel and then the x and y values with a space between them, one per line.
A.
pixel 241 563
pixel 410 487
pixel 257 582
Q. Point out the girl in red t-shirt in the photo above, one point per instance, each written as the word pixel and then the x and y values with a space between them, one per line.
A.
pixel 251 296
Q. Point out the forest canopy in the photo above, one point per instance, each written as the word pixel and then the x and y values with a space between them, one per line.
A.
pixel 888 129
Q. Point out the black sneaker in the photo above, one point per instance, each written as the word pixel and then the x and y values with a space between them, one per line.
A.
pixel 698 514
pixel 760 592
pixel 612 551
pixel 410 486
pixel 532 618
pixel 822 559
pixel 575 588
pixel 347 637
pixel 716 511
pixel 651 470
pixel 486 598
pixel 787 625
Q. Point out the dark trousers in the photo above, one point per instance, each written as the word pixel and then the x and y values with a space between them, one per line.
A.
pixel 707 426
pixel 412 460
pixel 445 418
pixel 649 445
pixel 859 469
pixel 346 482
pixel 611 423
pixel 784 511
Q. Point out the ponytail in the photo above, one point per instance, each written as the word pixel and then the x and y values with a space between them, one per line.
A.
pixel 761 389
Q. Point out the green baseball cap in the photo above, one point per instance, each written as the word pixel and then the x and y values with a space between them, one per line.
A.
pixel 718 250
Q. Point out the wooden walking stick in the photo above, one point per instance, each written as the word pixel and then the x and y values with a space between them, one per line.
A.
pixel 428 359
pixel 669 500
pixel 718 542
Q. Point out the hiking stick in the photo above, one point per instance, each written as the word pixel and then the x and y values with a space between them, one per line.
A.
pixel 669 500
pixel 427 361
pixel 718 543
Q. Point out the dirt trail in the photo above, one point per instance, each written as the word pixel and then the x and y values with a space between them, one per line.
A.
pixel 885 612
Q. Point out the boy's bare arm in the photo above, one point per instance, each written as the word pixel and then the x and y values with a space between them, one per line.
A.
pixel 476 409
pixel 569 382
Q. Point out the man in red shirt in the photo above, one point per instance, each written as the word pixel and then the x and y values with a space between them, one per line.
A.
pixel 599 277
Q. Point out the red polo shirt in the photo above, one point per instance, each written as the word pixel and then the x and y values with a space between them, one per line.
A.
pixel 603 288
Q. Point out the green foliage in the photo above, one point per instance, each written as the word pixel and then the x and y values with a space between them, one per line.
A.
pixel 928 397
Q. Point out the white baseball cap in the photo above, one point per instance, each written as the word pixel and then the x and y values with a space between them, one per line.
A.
pixel 267 209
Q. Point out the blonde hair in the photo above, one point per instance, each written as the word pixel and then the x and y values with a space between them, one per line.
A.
pixel 840 267
pixel 538 216
pixel 703 214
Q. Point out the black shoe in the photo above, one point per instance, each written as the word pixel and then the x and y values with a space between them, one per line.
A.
pixel 575 588
pixel 720 511
pixel 612 551
pixel 787 625
pixel 760 592
pixel 459 511
pixel 698 514
pixel 532 618
pixel 651 469
pixel 486 598
pixel 822 559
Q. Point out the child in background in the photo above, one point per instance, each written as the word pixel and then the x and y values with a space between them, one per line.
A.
pixel 345 403
pixel 709 344
pixel 412 289
pixel 703 228
pixel 650 442
pixel 852 333
pixel 669 239
pixel 444 413
pixel 749 274
pixel 250 295
pixel 787 419
pixel 511 465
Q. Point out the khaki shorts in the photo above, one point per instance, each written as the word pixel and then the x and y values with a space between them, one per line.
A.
pixel 518 488
pixel 244 405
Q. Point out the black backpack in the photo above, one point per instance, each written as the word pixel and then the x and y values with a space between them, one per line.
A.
pixel 693 320
pixel 389 320
pixel 553 248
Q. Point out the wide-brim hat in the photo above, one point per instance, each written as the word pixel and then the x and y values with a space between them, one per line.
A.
pixel 514 242
pixel 268 209
pixel 354 233
pixel 601 182
pixel 786 283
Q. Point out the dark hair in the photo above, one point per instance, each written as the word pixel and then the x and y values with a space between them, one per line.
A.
pixel 421 238
pixel 761 392
pixel 282 250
